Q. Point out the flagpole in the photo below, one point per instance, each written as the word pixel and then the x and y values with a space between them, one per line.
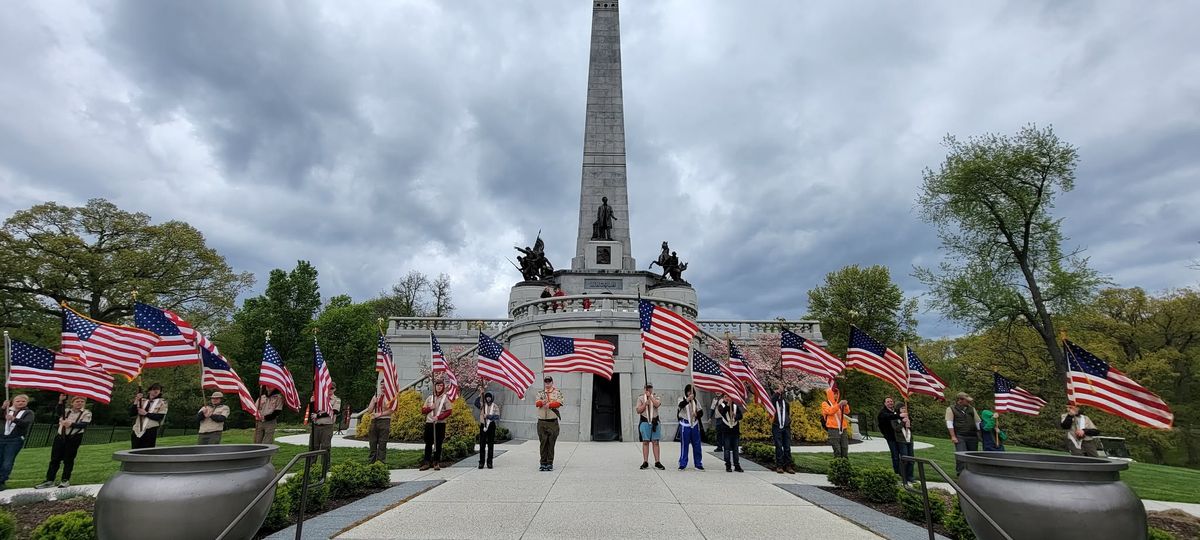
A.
pixel 7 362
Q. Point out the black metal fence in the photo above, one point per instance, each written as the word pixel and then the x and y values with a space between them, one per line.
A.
pixel 42 435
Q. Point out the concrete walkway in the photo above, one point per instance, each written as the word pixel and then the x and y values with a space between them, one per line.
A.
pixel 874 444
pixel 597 491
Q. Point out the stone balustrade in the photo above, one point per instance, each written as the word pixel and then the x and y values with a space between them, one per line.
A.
pixel 749 329
pixel 626 303
pixel 491 326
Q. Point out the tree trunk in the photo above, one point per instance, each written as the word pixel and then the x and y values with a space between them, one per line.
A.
pixel 1043 323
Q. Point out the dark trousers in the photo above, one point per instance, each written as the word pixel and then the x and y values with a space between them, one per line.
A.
pixel 839 440
pixel 966 443
pixel 782 437
pixel 65 448
pixel 719 426
pixel 894 448
pixel 991 443
pixel 322 439
pixel 689 436
pixel 730 444
pixel 547 431
pixel 906 467
pixel 147 440
pixel 10 446
pixel 377 438
pixel 487 443
pixel 435 434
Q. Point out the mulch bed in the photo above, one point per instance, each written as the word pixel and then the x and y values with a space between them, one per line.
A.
pixel 1177 522
pixel 891 509
pixel 29 516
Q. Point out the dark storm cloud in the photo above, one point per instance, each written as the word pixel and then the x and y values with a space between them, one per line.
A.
pixel 770 143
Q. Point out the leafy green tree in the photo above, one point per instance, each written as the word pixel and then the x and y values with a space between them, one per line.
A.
pixel 286 308
pixel 348 334
pixel 95 256
pixel 867 298
pixel 991 202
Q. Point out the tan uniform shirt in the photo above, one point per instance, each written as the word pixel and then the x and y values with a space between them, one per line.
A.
pixel 545 412
pixel 141 424
pixel 269 404
pixel 75 417
pixel 437 404
pixel 335 405
pixel 208 425
pixel 651 410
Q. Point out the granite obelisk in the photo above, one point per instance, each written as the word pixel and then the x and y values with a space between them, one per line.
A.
pixel 604 152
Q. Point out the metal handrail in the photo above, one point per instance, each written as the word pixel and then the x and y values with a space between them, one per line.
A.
pixel 921 462
pixel 308 457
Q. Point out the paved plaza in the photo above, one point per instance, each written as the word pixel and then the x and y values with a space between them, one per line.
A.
pixel 597 491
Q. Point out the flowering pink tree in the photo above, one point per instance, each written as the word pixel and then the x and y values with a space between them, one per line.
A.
pixel 463 367
pixel 763 356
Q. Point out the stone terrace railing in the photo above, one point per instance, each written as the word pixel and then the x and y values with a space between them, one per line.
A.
pixel 747 329
pixel 490 326
pixel 626 303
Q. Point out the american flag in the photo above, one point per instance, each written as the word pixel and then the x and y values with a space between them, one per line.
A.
pixel 666 336
pixel 322 383
pixel 35 367
pixel 707 374
pixel 1013 398
pixel 740 369
pixel 804 355
pixel 871 357
pixel 178 344
pixel 568 355
pixel 273 374
pixel 923 381
pixel 441 366
pixel 1091 381
pixel 219 375
pixel 117 349
pixel 497 364
pixel 387 370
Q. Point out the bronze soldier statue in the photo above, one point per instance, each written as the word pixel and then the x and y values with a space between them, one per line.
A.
pixel 663 260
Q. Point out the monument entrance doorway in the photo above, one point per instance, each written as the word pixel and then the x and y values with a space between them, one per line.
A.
pixel 606 409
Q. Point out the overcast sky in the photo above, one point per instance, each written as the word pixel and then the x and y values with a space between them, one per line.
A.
pixel 770 142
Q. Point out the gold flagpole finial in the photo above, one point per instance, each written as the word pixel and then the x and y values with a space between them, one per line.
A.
pixel 134 295
pixel 268 332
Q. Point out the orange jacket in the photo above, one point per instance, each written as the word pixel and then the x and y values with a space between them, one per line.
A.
pixel 835 416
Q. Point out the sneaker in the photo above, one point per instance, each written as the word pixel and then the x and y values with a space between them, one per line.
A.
pixel 790 469
pixel 542 467
pixel 682 467
pixel 699 467
pixel 44 485
pixel 437 466
pixel 550 467
pixel 728 468
pixel 480 465
pixel 780 470
pixel 424 467
pixel 489 465
pixel 738 469
pixel 65 484
pixel 644 466
pixel 659 466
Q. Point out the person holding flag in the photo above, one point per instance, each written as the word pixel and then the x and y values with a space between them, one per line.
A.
pixel 549 400
pixel 1081 432
pixel 781 432
pixel 437 409
pixel 17 420
pixel 489 414
pixel 835 409
pixel 324 406
pixel 649 426
pixel 269 405
pixel 901 426
pixel 212 419
pixel 67 439
pixel 148 411
pixel 381 409
pixel 689 414
pixel 730 414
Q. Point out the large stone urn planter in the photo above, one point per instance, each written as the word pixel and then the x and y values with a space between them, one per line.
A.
pixel 1050 496
pixel 185 492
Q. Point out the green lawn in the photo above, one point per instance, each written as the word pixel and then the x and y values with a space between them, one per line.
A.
pixel 94 465
pixel 1157 482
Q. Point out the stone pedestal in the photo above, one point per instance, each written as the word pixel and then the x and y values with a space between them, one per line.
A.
pixel 604 255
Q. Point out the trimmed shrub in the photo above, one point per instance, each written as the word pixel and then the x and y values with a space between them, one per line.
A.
pixel 318 496
pixel 877 484
pixel 1159 534
pixel 840 473
pixel 280 514
pixel 347 479
pixel 756 425
pixel 408 424
pixel 378 475
pixel 75 525
pixel 8 525
pixel 806 423
pixel 913 506
pixel 956 523
pixel 364 425
pixel 759 452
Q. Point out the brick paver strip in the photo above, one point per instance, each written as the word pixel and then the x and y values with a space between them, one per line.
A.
pixel 335 521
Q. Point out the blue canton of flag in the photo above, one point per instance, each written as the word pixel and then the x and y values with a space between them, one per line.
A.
pixel 219 375
pixel 708 375
pixel 923 381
